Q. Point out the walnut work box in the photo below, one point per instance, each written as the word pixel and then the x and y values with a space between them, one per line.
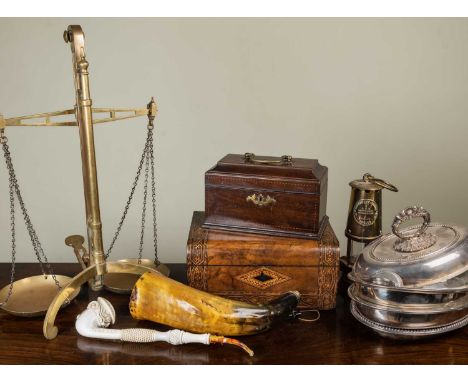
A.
pixel 257 268
pixel 267 195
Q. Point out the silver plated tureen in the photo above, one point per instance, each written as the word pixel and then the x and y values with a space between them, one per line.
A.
pixel 413 282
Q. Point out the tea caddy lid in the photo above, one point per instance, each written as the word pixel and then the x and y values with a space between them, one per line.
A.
pixel 429 255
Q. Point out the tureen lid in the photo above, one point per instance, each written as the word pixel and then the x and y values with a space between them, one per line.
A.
pixel 429 255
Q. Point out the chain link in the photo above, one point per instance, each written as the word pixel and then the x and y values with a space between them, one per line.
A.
pixel 153 199
pixel 14 184
pixel 143 212
pixel 37 247
pixel 13 241
pixel 146 159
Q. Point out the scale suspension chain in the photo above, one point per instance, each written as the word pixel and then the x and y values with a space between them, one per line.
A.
pixel 147 159
pixel 153 196
pixel 13 233
pixel 143 212
pixel 37 247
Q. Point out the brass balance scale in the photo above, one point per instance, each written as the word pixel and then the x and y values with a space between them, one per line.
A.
pixel 48 292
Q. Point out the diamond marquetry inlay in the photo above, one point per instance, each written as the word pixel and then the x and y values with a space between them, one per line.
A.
pixel 262 278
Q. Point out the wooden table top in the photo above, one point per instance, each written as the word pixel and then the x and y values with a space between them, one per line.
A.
pixel 337 338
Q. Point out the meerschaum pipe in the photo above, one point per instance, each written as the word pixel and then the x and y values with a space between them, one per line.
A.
pixel 93 323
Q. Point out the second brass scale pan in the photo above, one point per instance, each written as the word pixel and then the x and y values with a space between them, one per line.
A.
pixel 124 282
pixel 115 282
pixel 32 295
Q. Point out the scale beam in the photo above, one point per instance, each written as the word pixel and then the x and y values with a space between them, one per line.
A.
pixel 51 119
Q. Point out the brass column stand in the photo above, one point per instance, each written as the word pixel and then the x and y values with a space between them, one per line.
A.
pixel 94 258
pixel 95 272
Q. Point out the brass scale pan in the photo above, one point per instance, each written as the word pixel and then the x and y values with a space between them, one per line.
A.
pixel 32 296
pixel 123 282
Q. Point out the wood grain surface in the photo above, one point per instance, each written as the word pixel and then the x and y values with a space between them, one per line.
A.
pixel 229 264
pixel 337 338
pixel 297 193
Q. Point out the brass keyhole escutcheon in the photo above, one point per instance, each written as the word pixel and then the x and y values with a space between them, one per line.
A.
pixel 260 200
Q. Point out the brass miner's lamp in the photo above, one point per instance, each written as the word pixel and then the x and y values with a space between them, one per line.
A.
pixel 364 222
pixel 94 261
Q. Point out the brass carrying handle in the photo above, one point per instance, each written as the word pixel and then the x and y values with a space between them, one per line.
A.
pixel 382 183
pixel 260 200
pixel 285 160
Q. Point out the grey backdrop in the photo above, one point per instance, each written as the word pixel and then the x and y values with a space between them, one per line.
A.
pixel 385 96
